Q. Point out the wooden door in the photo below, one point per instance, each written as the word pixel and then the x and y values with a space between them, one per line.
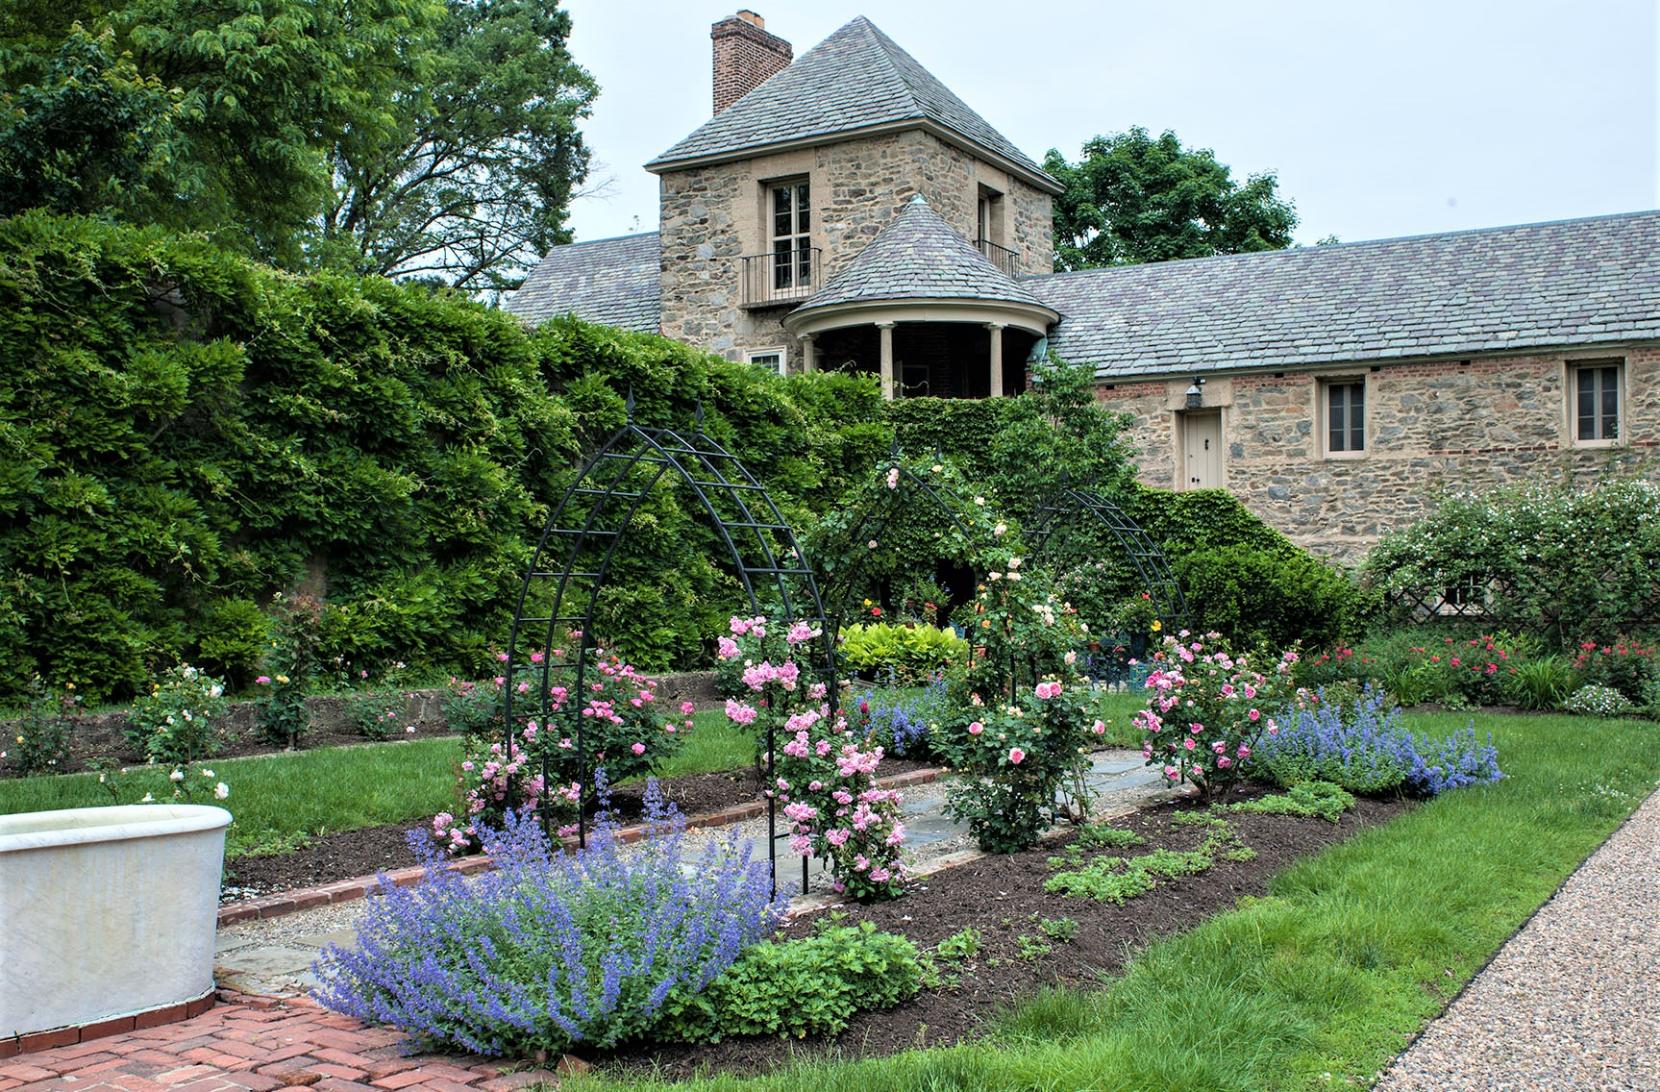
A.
pixel 1202 450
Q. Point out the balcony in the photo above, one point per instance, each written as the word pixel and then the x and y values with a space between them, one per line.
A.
pixel 1001 256
pixel 781 278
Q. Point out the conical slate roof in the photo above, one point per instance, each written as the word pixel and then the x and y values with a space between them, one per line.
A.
pixel 919 256
pixel 857 78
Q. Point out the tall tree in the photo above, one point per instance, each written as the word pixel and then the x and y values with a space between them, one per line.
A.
pixel 472 181
pixel 1135 198
pixel 418 137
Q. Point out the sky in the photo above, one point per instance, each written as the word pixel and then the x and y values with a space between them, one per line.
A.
pixel 1380 119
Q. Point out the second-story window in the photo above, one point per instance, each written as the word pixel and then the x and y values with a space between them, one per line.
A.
pixel 792 262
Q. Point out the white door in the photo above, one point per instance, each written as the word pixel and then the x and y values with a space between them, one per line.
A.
pixel 1202 450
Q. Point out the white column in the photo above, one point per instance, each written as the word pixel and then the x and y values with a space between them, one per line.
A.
pixel 887 359
pixel 809 363
pixel 996 329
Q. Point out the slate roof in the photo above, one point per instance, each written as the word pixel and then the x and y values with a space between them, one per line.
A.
pixel 610 281
pixel 854 79
pixel 918 256
pixel 1575 282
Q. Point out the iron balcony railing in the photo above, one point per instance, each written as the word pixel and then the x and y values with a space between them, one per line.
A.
pixel 1001 256
pixel 780 277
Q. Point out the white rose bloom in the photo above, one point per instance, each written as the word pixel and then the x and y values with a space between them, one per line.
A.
pixel 176 776
pixel 221 790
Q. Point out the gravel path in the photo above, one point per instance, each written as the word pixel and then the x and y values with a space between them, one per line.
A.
pixel 1573 1000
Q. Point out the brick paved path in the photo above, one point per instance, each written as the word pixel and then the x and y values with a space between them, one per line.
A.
pixel 258 1044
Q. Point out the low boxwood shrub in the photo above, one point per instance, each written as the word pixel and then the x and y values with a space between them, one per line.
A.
pixel 552 950
pixel 1365 748
pixel 809 986
pixel 1274 598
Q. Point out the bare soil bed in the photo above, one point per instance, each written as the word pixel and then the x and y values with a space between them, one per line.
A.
pixel 1003 898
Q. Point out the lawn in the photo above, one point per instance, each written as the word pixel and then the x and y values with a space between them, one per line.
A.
pixel 280 801
pixel 1320 982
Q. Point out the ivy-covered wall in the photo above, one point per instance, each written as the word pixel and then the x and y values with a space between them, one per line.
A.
pixel 184 433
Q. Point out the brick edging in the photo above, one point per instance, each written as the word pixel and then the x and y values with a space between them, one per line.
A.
pixel 307 898
pixel 99 1029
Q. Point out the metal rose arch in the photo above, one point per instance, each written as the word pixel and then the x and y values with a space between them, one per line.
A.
pixel 1080 507
pixel 573 559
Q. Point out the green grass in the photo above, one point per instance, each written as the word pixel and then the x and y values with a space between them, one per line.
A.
pixel 1319 982
pixel 281 801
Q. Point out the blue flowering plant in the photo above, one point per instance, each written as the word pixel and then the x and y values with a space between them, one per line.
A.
pixel 553 949
pixel 1364 747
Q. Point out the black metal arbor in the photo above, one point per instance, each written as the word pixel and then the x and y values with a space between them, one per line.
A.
pixel 1074 506
pixel 843 581
pixel 574 556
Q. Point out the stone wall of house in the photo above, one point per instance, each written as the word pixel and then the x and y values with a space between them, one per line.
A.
pixel 712 217
pixel 1431 427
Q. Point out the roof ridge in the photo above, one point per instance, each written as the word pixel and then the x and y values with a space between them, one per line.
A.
pixel 1354 244
pixel 612 238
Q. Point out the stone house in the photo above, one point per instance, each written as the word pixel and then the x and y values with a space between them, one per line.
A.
pixel 845 210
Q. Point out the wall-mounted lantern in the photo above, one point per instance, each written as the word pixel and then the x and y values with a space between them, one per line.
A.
pixel 1195 394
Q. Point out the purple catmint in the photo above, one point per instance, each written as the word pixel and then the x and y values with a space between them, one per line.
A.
pixel 553 948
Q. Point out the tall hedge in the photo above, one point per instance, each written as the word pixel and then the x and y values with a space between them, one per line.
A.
pixel 184 433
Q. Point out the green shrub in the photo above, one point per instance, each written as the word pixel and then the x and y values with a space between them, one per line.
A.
pixel 40 738
pixel 232 641
pixel 177 721
pixel 293 666
pixel 1598 701
pixel 377 714
pixel 809 986
pixel 1623 664
pixel 1305 800
pixel 1258 597
pixel 907 654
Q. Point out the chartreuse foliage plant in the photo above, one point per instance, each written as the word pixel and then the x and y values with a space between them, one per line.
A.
pixel 906 654
pixel 552 949
pixel 1349 954
pixel 809 986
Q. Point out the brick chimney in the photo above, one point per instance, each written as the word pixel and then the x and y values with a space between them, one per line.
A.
pixel 745 56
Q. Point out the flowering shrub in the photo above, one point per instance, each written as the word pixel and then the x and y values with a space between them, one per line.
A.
pixel 1625 665
pixel 902 724
pixel 1365 748
pixel 1208 709
pixel 182 785
pixel 1021 630
pixel 621 731
pixel 292 665
pixel 1021 766
pixel 1598 701
pixel 175 721
pixel 1474 671
pixel 40 742
pixel 824 772
pixel 552 949
pixel 473 709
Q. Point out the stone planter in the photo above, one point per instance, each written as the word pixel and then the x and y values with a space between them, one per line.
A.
pixel 107 912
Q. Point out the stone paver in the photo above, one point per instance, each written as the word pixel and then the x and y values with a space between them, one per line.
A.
pixel 1570 1002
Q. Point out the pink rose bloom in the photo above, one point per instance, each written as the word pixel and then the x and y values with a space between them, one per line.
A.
pixel 1098 727
pixel 502 656
pixel 688 708
pixel 1189 743
pixel 1172 772
pixel 638 748
pixel 1244 751
pixel 975 728
pixel 728 648
pixel 1016 756
pixel 1254 715
pixel 263 680
pixel 1224 762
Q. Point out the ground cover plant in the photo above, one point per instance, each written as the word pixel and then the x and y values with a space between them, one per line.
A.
pixel 1345 955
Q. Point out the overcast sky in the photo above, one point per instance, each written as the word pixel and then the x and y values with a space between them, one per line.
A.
pixel 1380 119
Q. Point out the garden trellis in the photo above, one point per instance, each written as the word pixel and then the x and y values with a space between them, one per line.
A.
pixel 573 558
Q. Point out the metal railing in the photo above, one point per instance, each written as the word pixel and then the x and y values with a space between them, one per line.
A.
pixel 1001 256
pixel 780 277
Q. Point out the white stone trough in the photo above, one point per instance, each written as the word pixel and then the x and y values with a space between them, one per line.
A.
pixel 106 912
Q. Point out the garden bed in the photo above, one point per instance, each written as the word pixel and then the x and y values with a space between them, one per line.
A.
pixel 1003 898
pixel 368 850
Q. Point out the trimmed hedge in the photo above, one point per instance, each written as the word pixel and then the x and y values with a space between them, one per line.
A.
pixel 1255 597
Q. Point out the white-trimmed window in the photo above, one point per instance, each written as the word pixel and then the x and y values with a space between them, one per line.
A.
pixel 790 230
pixel 1343 407
pixel 771 359
pixel 1594 401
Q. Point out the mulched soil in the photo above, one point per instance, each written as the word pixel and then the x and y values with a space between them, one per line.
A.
pixel 364 852
pixel 1003 898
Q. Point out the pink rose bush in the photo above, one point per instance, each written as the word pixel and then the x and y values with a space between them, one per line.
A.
pixel 1021 766
pixel 823 774
pixel 615 720
pixel 1207 708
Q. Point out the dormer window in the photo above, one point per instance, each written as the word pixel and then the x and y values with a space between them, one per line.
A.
pixel 792 249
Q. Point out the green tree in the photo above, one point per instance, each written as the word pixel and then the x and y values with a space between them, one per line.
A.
pixel 473 178
pixel 1136 198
